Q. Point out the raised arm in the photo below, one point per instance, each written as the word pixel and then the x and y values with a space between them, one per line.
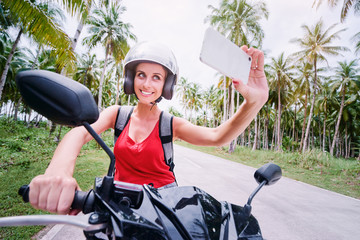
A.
pixel 255 94
pixel 54 190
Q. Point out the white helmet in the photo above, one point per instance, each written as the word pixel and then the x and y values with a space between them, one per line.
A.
pixel 151 52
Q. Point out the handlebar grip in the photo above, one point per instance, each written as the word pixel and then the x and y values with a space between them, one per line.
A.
pixel 79 200
pixel 24 192
pixel 83 201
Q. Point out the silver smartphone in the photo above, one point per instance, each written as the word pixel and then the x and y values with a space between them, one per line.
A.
pixel 224 56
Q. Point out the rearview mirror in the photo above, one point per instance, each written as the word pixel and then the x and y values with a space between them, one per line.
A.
pixel 269 172
pixel 58 98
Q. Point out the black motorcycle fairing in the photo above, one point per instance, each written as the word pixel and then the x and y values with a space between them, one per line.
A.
pixel 200 214
pixel 128 222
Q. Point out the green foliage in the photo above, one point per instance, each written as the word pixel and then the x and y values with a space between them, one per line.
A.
pixel 25 153
pixel 34 20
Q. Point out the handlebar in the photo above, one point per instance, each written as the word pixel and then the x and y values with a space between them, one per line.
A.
pixel 83 201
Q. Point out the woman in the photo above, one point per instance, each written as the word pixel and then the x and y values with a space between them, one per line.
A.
pixel 150 73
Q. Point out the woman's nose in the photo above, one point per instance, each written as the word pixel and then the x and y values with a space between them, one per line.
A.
pixel 147 82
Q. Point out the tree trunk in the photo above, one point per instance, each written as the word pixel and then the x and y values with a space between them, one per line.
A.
pixel 304 121
pixel 338 121
pixel 266 134
pixel 329 140
pixel 293 130
pixel 320 136
pixel 59 134
pixel 52 129
pixel 273 139
pixel 77 34
pixel 308 124
pixel 225 102
pixel 349 148
pixel 102 80
pixel 249 136
pixel 17 109
pixel 313 138
pixel 278 147
pixel 8 61
pixel 345 143
pixel 311 108
pixel 267 121
pixel 231 111
pixel 256 133
pixel 324 131
pixel 242 142
pixel 117 91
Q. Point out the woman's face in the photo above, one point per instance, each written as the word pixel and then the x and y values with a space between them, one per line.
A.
pixel 149 81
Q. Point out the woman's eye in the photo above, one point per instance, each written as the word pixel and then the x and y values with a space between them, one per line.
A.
pixel 156 77
pixel 141 75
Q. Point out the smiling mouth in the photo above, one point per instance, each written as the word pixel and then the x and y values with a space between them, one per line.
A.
pixel 146 93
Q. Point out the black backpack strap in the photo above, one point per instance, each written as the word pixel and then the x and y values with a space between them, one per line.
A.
pixel 122 119
pixel 166 137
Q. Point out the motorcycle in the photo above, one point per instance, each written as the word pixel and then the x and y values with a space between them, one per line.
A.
pixel 120 210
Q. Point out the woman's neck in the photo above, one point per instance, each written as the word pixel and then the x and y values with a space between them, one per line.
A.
pixel 146 111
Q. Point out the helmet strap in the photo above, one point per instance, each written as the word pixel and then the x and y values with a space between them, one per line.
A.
pixel 156 102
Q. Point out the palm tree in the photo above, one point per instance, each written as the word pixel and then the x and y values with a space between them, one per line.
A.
pixel 207 100
pixel 324 101
pixel 281 70
pixel 356 39
pixel 32 18
pixel 119 71
pixel 226 84
pixel 346 80
pixel 304 70
pixel 107 29
pixel 239 21
pixel 194 100
pixel 21 60
pixel 316 44
pixel 347 5
pixel 87 70
pixel 182 92
pixel 217 106
pixel 353 110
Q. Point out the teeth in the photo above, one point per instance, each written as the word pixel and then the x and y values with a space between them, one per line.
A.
pixel 146 93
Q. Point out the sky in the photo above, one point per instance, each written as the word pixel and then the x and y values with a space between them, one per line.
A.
pixel 181 26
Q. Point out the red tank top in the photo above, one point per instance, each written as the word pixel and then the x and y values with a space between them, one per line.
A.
pixel 141 163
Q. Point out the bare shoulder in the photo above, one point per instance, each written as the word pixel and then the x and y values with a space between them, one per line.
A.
pixel 107 118
pixel 178 124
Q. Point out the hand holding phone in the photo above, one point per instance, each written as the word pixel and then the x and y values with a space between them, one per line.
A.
pixel 224 56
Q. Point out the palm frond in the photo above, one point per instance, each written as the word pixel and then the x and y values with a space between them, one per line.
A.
pixel 42 28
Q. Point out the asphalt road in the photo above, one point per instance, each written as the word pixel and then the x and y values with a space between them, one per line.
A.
pixel 287 210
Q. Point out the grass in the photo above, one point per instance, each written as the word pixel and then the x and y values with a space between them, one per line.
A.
pixel 25 153
pixel 314 167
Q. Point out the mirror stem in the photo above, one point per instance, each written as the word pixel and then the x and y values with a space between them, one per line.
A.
pixel 103 146
pixel 247 207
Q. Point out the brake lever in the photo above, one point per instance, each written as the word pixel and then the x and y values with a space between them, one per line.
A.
pixel 32 220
